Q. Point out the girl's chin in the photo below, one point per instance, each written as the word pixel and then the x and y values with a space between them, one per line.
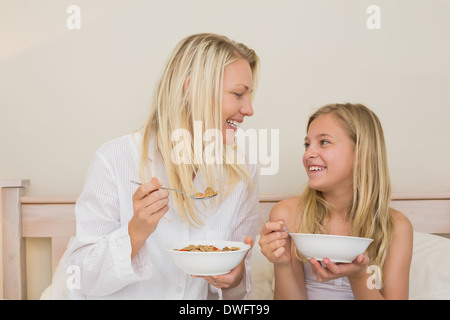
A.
pixel 315 186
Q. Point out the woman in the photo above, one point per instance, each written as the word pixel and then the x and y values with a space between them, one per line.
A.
pixel 207 84
pixel 348 194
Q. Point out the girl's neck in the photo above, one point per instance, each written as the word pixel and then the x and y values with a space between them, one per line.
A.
pixel 340 205
pixel 338 222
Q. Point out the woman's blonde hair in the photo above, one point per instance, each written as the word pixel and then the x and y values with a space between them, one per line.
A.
pixel 190 91
pixel 370 214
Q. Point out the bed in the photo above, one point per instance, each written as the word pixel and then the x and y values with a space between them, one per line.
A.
pixel 53 217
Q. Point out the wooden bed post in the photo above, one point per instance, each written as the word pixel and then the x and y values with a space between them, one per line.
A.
pixel 14 273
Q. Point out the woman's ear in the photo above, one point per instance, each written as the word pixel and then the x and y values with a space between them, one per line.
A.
pixel 186 84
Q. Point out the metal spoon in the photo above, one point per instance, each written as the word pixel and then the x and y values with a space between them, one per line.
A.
pixel 285 229
pixel 176 190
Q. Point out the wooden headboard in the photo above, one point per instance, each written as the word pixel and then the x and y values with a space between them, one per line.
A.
pixel 53 217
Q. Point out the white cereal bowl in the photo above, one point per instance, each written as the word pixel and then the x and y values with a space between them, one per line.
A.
pixel 207 263
pixel 336 248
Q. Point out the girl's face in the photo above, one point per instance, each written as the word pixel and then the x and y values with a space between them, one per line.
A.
pixel 328 157
pixel 236 104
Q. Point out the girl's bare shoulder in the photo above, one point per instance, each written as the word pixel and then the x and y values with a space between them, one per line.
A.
pixel 285 210
pixel 400 222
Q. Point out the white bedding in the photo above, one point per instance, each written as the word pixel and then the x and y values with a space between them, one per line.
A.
pixel 430 268
pixel 429 276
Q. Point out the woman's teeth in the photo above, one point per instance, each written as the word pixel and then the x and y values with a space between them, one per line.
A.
pixel 233 123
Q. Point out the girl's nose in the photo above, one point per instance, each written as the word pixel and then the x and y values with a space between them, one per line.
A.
pixel 310 153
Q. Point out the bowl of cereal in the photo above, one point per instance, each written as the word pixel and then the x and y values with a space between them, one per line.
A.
pixel 207 257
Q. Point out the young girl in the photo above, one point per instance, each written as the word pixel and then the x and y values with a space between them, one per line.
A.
pixel 206 86
pixel 348 194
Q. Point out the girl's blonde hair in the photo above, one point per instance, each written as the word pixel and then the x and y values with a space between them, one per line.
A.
pixel 190 90
pixel 370 214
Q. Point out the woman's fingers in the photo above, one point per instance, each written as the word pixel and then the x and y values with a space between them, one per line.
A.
pixel 155 201
pixel 232 278
pixel 150 204
pixel 157 215
pixel 248 240
pixel 149 199
pixel 144 189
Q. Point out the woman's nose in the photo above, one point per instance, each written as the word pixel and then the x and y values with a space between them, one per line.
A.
pixel 247 108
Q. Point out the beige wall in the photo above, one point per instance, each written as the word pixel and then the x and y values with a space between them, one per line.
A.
pixel 65 92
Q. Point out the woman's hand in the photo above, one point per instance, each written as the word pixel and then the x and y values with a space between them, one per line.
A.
pixel 275 243
pixel 234 277
pixel 356 269
pixel 149 205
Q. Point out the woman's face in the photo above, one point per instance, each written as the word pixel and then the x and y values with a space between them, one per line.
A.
pixel 236 104
pixel 328 157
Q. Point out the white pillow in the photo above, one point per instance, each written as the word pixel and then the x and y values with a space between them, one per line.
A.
pixel 262 275
pixel 430 268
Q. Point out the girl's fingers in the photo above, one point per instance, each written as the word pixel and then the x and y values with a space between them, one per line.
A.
pixel 272 231
pixel 320 272
pixel 273 242
pixel 362 259
pixel 273 236
pixel 272 226
pixel 331 266
pixel 279 252
pixel 332 270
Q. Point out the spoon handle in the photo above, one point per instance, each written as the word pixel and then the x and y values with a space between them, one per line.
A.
pixel 176 190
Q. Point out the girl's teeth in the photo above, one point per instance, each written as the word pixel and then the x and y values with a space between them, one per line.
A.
pixel 314 168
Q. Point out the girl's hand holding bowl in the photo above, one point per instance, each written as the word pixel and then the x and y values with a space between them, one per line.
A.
pixel 328 270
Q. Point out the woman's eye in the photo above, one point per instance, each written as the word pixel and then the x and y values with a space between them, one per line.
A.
pixel 323 142
pixel 306 145
pixel 238 95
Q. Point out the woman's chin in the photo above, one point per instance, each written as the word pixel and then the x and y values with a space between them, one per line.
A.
pixel 228 137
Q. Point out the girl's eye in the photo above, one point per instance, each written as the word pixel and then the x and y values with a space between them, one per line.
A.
pixel 324 142
pixel 306 146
